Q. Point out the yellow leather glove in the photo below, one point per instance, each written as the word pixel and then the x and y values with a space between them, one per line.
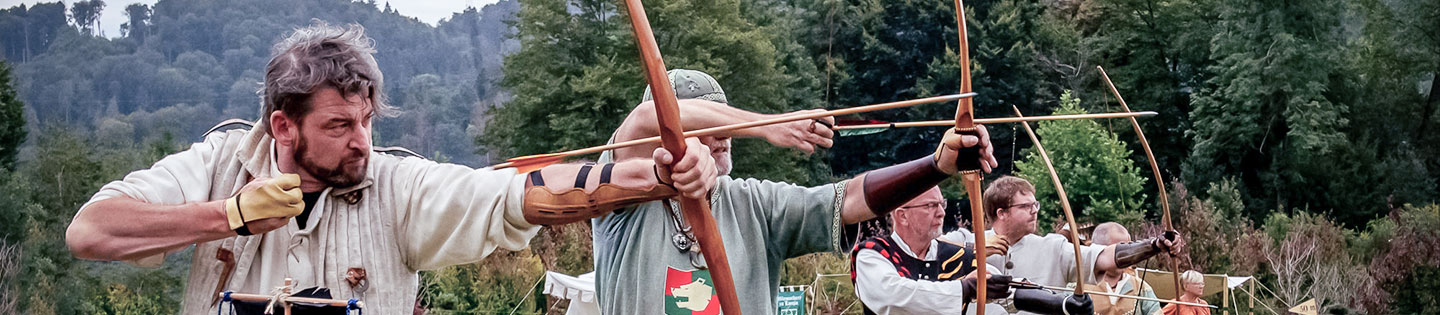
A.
pixel 278 197
pixel 996 245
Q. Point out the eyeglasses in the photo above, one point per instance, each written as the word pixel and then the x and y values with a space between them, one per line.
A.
pixel 1033 206
pixel 933 205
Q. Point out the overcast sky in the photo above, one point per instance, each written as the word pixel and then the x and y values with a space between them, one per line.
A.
pixel 429 11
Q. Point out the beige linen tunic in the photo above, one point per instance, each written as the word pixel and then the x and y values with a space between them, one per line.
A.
pixel 1046 260
pixel 409 214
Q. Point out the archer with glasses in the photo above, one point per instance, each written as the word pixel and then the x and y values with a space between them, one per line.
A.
pixel 1049 259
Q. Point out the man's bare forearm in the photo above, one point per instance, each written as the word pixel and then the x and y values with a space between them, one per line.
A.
pixel 122 228
pixel 694 114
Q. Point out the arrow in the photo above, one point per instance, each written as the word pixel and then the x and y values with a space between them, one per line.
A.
pixel 864 127
pixel 525 164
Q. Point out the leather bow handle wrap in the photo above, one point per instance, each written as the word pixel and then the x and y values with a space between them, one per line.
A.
pixel 967 160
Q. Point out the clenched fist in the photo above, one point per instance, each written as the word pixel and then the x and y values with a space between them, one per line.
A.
pixel 262 199
pixel 967 151
pixel 693 175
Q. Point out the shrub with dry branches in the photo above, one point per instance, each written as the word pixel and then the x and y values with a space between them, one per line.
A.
pixel 1416 236
pixel 1211 226
pixel 1307 261
pixel 9 278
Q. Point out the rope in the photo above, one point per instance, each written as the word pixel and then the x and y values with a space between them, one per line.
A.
pixel 1012 151
pixel 354 304
pixel 1272 293
pixel 1262 303
pixel 277 295
pixel 847 307
pixel 527 294
pixel 225 300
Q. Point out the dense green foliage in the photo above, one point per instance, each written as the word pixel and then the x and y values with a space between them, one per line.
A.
pixel 184 66
pixel 1307 124
pixel 578 75
pixel 12 120
pixel 1102 185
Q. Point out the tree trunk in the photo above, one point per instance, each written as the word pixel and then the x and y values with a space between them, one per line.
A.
pixel 1427 110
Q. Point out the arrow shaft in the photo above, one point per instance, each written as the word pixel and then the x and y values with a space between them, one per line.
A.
pixel 290 299
pixel 752 124
pixel 939 123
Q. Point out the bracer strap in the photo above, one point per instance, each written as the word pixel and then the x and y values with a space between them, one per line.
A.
pixel 543 206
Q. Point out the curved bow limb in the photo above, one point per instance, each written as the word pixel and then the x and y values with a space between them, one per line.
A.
pixel 667 110
pixel 1159 180
pixel 1064 204
pixel 970 173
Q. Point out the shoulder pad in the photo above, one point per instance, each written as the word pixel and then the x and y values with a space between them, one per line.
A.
pixel 228 124
pixel 397 151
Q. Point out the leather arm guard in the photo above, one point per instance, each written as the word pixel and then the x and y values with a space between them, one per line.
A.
pixel 1131 253
pixel 1042 301
pixel 544 206
pixel 888 188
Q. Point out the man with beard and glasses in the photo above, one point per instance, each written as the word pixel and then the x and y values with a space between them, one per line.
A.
pixel 364 222
pixel 646 261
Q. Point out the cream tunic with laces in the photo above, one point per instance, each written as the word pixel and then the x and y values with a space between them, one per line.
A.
pixel 409 214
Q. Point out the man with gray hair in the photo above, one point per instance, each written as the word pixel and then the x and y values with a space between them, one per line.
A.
pixel 1120 281
pixel 645 258
pixel 364 222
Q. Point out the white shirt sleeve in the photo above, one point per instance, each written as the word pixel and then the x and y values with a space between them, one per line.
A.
pixel 1088 255
pixel 884 291
pixel 452 214
pixel 958 236
pixel 180 178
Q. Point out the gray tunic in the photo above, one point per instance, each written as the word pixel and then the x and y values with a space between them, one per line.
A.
pixel 762 223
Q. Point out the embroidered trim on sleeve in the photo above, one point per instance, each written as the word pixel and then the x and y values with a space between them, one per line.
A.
pixel 836 231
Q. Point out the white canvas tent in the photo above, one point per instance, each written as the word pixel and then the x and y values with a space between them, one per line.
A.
pixel 1219 288
pixel 1164 282
pixel 579 290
